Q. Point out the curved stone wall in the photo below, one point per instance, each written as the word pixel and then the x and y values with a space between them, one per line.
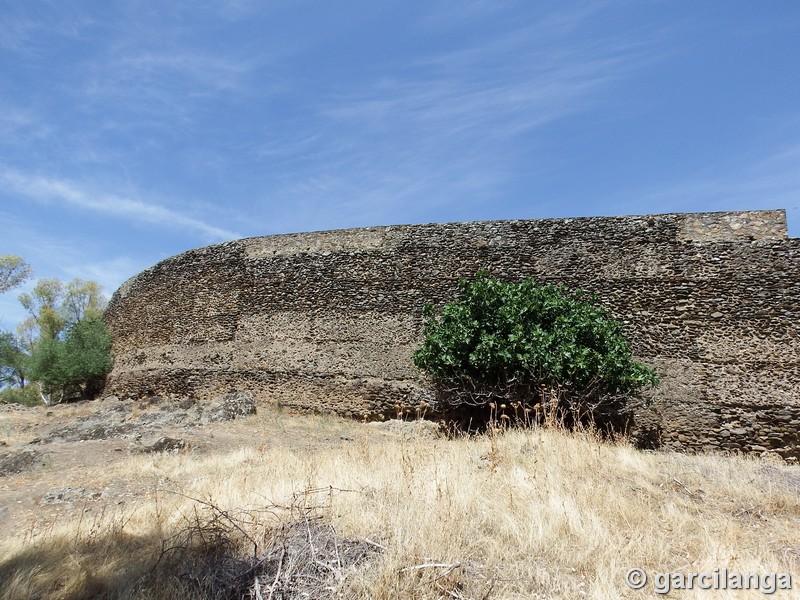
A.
pixel 328 321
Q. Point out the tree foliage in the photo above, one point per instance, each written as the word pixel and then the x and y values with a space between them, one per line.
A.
pixel 13 271
pixel 13 361
pixel 27 396
pixel 63 345
pixel 529 343
pixel 75 365
pixel 53 305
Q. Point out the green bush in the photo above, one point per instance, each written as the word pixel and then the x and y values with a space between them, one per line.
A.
pixel 531 344
pixel 27 396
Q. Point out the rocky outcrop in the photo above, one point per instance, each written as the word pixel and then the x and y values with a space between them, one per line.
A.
pixel 328 321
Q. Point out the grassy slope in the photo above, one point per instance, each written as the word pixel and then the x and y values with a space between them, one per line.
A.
pixel 540 514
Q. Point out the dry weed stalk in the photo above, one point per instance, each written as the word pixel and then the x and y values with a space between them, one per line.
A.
pixel 521 404
pixel 539 513
pixel 300 557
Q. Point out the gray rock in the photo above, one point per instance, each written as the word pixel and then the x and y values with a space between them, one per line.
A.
pixel 164 444
pixel 228 407
pixel 68 494
pixel 18 461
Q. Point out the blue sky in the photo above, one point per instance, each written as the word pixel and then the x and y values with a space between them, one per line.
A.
pixel 132 131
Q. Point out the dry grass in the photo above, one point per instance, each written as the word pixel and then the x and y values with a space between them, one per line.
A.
pixel 537 514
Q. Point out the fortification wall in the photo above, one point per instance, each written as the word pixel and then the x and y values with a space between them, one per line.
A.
pixel 328 321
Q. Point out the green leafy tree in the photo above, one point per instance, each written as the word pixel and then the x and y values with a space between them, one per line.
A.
pixel 532 349
pixel 82 298
pixel 53 305
pixel 13 368
pixel 45 304
pixel 13 361
pixel 87 355
pixel 76 365
pixel 13 271
pixel 66 342
pixel 46 368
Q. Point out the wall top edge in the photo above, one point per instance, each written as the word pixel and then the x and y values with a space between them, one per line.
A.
pixel 774 219
pixel 724 226
pixel 688 227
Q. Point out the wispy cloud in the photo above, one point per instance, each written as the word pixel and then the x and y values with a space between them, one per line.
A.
pixel 769 182
pixel 22 126
pixel 505 85
pixel 206 71
pixel 504 106
pixel 62 191
pixel 450 14
pixel 772 181
pixel 455 126
pixel 135 87
pixel 24 28
pixel 110 274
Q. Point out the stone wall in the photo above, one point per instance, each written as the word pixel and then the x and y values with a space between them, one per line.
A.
pixel 328 321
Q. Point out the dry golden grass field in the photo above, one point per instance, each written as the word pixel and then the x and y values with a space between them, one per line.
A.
pixel 279 506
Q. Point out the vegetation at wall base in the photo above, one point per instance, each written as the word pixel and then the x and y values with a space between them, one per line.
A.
pixel 530 353
pixel 63 346
pixel 75 366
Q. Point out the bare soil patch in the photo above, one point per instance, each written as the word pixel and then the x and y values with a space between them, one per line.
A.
pixel 50 452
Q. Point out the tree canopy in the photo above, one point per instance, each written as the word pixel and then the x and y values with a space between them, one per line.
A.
pixel 13 271
pixel 54 305
pixel 13 361
pixel 63 346
pixel 75 365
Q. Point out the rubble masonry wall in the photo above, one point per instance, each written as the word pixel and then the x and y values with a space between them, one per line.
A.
pixel 328 321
